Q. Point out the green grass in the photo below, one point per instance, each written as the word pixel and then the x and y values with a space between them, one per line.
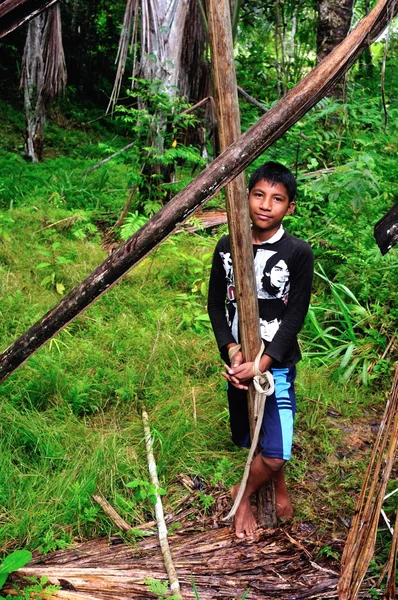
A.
pixel 71 416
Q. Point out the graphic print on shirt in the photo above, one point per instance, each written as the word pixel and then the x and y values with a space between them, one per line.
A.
pixel 229 274
pixel 272 275
pixel 272 282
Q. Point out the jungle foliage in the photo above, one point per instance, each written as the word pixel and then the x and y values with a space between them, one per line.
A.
pixel 71 416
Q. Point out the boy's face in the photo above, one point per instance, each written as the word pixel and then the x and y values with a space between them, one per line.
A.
pixel 268 205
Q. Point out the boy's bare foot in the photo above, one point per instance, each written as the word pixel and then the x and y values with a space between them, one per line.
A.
pixel 245 523
pixel 284 511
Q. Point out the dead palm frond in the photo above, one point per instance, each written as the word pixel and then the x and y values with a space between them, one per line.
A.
pixel 361 539
pixel 129 22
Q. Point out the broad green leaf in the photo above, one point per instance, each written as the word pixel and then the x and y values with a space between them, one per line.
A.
pixel 15 560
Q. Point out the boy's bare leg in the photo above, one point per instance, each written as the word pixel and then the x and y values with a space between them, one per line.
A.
pixel 262 471
pixel 284 509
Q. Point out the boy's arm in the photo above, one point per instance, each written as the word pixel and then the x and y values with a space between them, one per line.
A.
pixel 216 303
pixel 299 298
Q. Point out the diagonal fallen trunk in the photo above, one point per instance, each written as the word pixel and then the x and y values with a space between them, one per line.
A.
pixel 14 13
pixel 220 172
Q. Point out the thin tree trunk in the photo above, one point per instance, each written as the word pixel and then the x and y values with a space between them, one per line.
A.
pixel 228 117
pixel 206 185
pixel 33 83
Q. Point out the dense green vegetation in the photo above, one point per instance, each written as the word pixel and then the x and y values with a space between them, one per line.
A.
pixel 71 416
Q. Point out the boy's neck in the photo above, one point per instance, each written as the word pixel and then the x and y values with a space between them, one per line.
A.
pixel 259 237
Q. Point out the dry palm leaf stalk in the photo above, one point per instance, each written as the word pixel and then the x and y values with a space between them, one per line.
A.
pixel 360 544
pixel 390 592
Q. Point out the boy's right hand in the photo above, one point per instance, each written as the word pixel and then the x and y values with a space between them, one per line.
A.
pixel 234 378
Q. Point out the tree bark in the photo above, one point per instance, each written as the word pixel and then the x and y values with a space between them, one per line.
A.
pixel 334 20
pixel 208 183
pixel 228 118
pixel 43 75
pixel 14 13
pixel 33 84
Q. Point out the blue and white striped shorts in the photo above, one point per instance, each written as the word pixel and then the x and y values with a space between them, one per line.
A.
pixel 276 435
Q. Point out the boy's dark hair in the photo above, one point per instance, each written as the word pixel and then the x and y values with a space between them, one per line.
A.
pixel 274 172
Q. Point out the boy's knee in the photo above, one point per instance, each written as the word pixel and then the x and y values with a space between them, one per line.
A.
pixel 274 464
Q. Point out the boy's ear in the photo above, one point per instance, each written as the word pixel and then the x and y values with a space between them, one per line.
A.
pixel 291 208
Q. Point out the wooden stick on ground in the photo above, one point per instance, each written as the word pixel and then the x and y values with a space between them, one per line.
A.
pixel 162 529
pixel 112 514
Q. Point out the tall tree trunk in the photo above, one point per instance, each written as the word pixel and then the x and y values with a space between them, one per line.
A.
pixel 334 20
pixel 365 61
pixel 33 82
pixel 43 75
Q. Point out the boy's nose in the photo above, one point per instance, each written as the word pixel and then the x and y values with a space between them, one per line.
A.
pixel 265 204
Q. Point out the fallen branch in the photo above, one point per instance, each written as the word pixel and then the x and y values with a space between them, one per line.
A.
pixel 108 158
pixel 112 514
pixel 252 100
pixel 390 592
pixel 162 529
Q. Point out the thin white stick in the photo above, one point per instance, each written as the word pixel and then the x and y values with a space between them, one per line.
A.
pixel 387 521
pixel 390 494
pixel 194 406
pixel 162 529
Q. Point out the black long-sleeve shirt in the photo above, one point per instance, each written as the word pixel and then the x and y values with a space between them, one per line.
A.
pixel 284 271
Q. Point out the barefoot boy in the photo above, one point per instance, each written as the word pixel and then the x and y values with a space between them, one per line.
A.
pixel 284 270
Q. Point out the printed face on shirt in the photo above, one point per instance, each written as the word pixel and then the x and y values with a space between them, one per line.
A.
pixel 268 205
pixel 279 275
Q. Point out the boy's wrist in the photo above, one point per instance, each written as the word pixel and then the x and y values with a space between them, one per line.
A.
pixel 265 362
pixel 231 345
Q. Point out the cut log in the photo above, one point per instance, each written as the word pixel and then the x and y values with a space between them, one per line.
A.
pixel 14 13
pixel 220 172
